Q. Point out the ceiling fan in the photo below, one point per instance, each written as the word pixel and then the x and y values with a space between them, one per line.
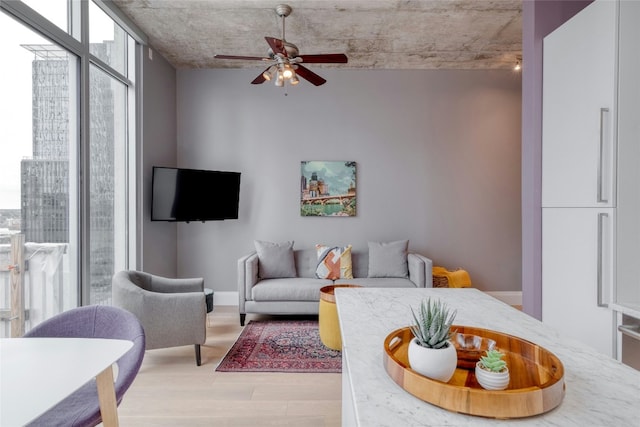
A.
pixel 286 62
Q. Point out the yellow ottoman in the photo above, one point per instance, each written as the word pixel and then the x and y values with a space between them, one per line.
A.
pixel 329 324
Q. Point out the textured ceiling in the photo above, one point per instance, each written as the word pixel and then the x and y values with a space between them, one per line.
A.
pixel 374 34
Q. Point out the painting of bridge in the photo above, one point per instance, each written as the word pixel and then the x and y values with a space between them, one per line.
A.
pixel 328 188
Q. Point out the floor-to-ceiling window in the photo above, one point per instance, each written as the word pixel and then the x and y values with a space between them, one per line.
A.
pixel 67 126
pixel 111 77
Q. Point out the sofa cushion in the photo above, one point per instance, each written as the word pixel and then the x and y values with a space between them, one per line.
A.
pixel 334 262
pixel 360 263
pixel 388 259
pixel 275 260
pixel 306 262
pixel 294 289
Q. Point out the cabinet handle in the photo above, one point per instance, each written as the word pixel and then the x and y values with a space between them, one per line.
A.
pixel 632 331
pixel 600 196
pixel 601 217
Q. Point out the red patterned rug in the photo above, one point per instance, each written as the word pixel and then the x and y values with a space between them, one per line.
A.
pixel 281 346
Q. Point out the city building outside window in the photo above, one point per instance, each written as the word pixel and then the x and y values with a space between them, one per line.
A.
pixel 63 188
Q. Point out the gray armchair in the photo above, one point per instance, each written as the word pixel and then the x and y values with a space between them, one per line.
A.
pixel 171 311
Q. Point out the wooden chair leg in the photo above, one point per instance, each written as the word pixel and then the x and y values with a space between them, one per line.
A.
pixel 198 359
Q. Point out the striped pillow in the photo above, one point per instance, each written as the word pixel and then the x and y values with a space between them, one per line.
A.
pixel 334 262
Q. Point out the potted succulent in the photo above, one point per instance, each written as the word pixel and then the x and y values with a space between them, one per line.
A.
pixel 492 371
pixel 430 352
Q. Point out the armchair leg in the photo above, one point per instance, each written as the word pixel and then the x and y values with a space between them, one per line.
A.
pixel 242 317
pixel 198 359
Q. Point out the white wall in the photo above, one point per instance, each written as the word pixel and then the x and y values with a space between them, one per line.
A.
pixel 437 152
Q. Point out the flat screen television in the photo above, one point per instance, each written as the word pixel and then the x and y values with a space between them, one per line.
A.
pixel 194 195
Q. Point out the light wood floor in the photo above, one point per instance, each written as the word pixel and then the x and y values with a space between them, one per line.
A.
pixel 170 390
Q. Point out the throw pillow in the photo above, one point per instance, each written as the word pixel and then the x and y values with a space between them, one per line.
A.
pixel 388 259
pixel 275 260
pixel 334 262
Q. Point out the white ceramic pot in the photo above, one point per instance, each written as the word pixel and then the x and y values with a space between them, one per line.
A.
pixel 492 380
pixel 438 364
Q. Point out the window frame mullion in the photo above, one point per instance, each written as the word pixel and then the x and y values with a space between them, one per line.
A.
pixel 85 160
pixel 110 71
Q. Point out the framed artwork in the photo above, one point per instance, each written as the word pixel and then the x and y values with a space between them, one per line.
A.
pixel 327 188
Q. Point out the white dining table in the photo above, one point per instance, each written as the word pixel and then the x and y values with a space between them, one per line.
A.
pixel 38 373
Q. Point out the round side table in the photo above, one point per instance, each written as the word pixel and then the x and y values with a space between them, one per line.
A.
pixel 208 298
pixel 329 323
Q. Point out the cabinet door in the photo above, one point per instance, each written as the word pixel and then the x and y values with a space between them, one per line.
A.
pixel 577 272
pixel 578 110
pixel 628 196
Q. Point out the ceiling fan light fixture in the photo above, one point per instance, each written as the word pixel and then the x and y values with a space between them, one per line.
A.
pixel 287 71
pixel 268 74
pixel 284 58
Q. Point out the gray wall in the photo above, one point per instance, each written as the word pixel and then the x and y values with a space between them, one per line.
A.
pixel 159 253
pixel 437 152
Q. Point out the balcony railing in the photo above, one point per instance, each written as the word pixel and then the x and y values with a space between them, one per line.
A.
pixel 34 284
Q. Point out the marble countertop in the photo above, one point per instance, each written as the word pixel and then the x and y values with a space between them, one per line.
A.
pixel 599 390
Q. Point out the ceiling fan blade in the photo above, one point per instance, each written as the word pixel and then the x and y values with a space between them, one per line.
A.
pixel 309 75
pixel 276 45
pixel 256 58
pixel 328 58
pixel 260 79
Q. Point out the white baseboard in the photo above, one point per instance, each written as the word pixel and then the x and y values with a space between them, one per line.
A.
pixel 231 297
pixel 225 298
pixel 508 297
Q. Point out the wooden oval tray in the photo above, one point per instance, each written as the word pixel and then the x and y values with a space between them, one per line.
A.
pixel 536 385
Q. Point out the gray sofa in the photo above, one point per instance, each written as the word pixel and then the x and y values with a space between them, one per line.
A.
pixel 301 294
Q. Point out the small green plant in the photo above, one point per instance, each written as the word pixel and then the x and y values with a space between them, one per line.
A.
pixel 492 361
pixel 432 327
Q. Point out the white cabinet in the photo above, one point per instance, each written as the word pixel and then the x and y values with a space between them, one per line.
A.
pixel 578 115
pixel 579 176
pixel 577 273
